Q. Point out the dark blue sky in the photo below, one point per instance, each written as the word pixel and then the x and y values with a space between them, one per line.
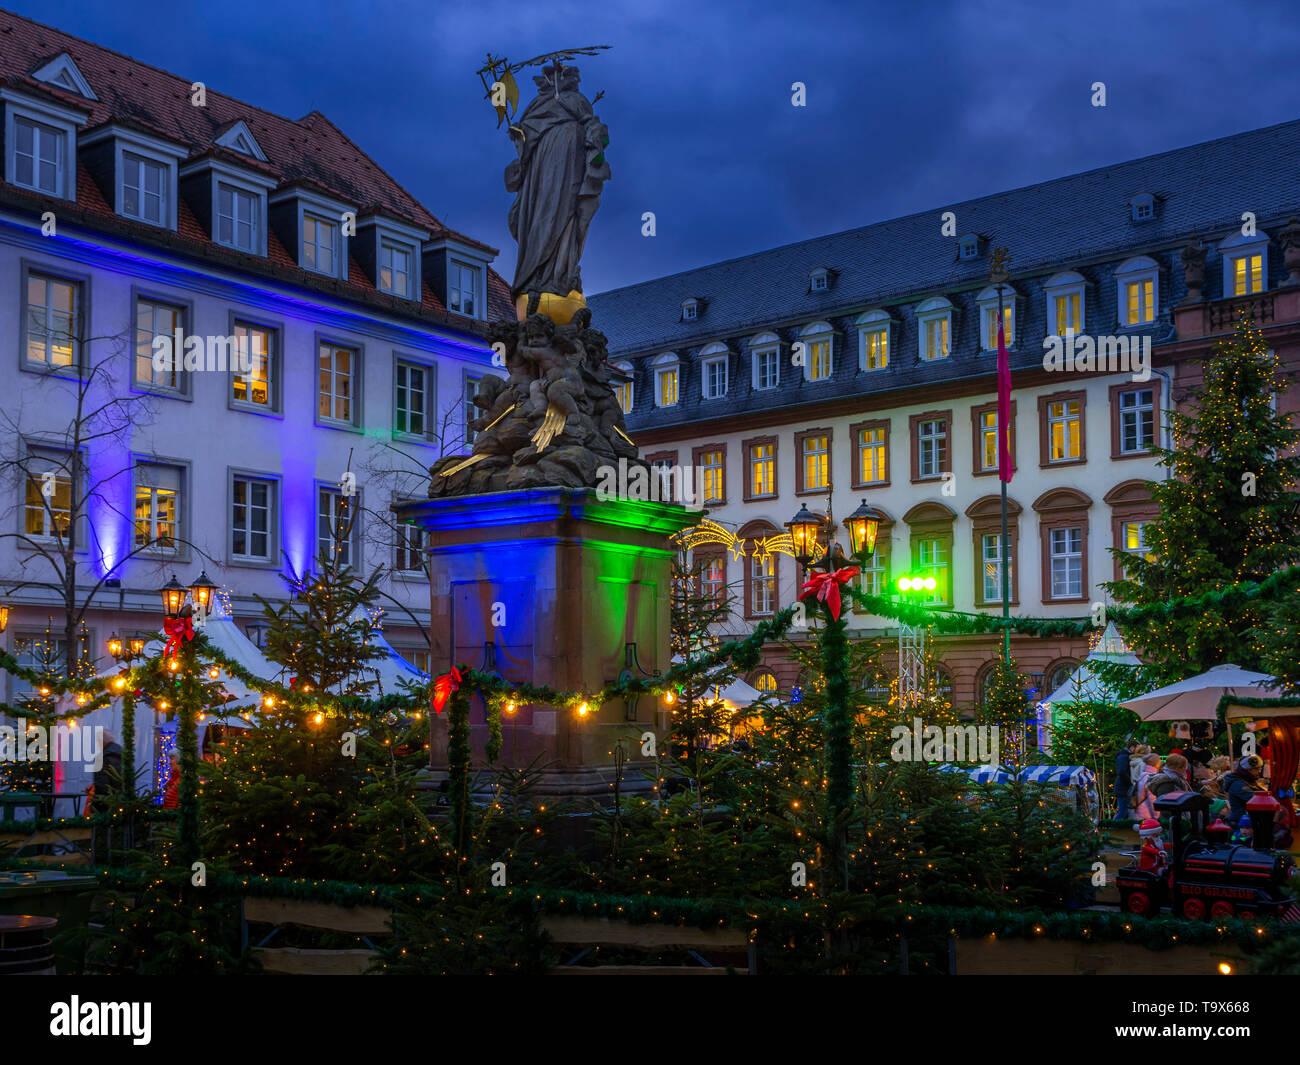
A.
pixel 911 105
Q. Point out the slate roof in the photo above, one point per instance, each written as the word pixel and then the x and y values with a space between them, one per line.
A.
pixel 1201 190
pixel 310 150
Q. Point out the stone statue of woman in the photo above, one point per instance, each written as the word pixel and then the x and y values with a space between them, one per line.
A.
pixel 557 180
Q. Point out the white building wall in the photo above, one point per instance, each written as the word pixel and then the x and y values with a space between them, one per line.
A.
pixel 208 439
pixel 1095 477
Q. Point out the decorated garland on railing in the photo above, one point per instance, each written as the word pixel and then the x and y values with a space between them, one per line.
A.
pixel 952 622
pixel 889 917
pixel 149 678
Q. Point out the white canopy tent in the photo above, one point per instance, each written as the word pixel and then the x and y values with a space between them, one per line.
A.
pixel 738 693
pixel 1085 685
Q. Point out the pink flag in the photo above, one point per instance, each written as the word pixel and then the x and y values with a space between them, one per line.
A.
pixel 1005 469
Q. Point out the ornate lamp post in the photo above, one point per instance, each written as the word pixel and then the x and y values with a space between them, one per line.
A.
pixel 179 660
pixel 124 652
pixel 831 570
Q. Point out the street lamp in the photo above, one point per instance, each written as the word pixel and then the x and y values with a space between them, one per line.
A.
pixel 173 597
pixel 803 528
pixel 115 647
pixel 4 617
pixel 201 593
pixel 864 524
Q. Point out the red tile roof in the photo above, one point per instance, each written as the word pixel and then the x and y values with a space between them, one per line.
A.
pixel 310 151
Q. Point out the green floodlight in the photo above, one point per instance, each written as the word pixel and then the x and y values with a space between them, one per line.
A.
pixel 904 584
pixel 930 584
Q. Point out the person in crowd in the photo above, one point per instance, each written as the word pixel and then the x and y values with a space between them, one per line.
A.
pixel 108 777
pixel 1136 763
pixel 1172 777
pixel 1212 785
pixel 1124 778
pixel 1145 799
pixel 1241 785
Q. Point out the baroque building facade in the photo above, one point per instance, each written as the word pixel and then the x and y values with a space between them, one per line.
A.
pixel 862 366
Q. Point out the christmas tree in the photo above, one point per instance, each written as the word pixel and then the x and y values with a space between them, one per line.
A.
pixel 1225 513
pixel 326 787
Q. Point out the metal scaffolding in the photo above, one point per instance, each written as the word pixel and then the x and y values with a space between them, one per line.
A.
pixel 911 665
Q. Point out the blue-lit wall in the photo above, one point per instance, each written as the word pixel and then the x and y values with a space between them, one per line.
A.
pixel 204 436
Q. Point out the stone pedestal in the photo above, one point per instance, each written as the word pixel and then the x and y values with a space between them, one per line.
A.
pixel 550 586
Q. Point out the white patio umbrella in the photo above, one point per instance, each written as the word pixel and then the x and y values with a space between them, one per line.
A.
pixel 1197 698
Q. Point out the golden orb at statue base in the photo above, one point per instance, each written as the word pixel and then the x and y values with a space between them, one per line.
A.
pixel 559 309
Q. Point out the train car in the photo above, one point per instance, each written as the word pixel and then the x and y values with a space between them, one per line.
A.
pixel 1208 877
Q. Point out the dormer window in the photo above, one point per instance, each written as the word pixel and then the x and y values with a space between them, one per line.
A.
pixel 1143 207
pixel 389 252
pixel 464 283
pixel 988 304
pixel 305 219
pixel 766 351
pixel 320 241
pixel 623 386
pixel 1245 264
pixel 1138 284
pixel 395 268
pixel 135 170
pixel 818 341
pixel 713 370
pixel 62 72
pixel 934 328
pixel 968 247
pixel 457 271
pixel 1065 298
pixel 230 202
pixel 40 145
pixel 690 310
pixel 239 138
pixel 144 189
pixel 238 218
pixel 39 152
pixel 819 280
pixel 666 369
pixel 874 329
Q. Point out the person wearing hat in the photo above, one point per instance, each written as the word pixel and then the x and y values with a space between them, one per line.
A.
pixel 1241 785
pixel 1154 856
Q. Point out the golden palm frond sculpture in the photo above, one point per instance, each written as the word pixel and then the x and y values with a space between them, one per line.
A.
pixel 551 427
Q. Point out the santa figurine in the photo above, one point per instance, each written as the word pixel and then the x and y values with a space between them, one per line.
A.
pixel 1154 856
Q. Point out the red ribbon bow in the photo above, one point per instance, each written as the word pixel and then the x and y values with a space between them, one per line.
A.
pixel 175 628
pixel 826 587
pixel 443 688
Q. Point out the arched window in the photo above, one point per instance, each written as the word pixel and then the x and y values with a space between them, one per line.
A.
pixel 818 341
pixel 765 682
pixel 1057 674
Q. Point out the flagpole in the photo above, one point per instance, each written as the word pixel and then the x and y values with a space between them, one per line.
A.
pixel 999 276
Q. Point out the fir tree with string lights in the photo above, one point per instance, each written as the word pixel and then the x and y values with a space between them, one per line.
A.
pixel 312 788
pixel 1007 707
pixel 1225 512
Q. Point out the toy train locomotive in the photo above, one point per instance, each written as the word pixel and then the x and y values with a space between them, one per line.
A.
pixel 1205 875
